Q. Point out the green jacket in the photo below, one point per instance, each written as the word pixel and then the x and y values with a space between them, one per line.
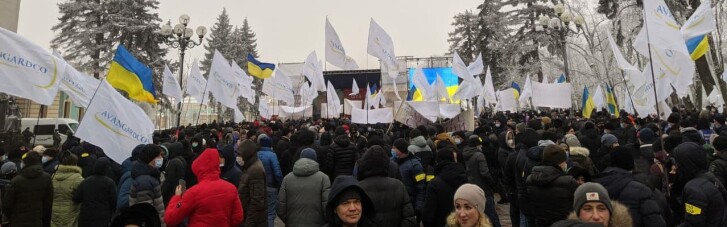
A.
pixel 65 211
pixel 27 200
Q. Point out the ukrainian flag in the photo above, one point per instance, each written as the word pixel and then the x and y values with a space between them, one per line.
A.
pixel 611 101
pixel 450 80
pixel 259 69
pixel 698 46
pixel 516 90
pixel 587 103
pixel 129 75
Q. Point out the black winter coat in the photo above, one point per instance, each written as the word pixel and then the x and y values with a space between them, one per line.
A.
pixel 638 197
pixel 97 196
pixel 440 193
pixel 391 201
pixel 550 195
pixel 526 159
pixel 341 158
pixel 478 171
pixel 27 200
pixel 704 204
pixel 719 167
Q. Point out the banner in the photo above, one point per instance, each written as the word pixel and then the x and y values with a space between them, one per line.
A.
pixel 115 124
pixel 79 86
pixel 465 121
pixel 506 100
pixel 552 95
pixel 223 85
pixel 409 116
pixel 335 53
pixel 196 84
pixel 27 70
pixel 289 112
pixel 170 86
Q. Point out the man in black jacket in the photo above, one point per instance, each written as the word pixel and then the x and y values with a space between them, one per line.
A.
pixel 719 166
pixel 702 194
pixel 440 191
pixel 391 201
pixel 550 191
pixel 478 173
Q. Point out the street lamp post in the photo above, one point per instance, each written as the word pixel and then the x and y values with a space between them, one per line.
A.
pixel 180 38
pixel 561 25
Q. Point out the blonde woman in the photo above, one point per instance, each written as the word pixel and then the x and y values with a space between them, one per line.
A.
pixel 469 208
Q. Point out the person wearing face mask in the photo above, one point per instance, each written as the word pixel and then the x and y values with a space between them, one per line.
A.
pixel 27 200
pixel 506 146
pixel 175 170
pixel 459 140
pixel 49 160
pixel 550 191
pixel 592 205
pixel 145 186
pixel 228 165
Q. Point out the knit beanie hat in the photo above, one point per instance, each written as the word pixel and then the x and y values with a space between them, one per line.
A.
pixel 720 143
pixel 647 135
pixel 572 140
pixel 591 192
pixel 401 145
pixel 265 141
pixel 554 155
pixel 8 167
pixel 473 194
pixel 149 152
pixel 608 140
pixel 520 127
pixel 308 153
pixel 621 157
pixel 474 140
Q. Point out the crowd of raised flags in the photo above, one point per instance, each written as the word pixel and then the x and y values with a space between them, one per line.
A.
pixel 671 69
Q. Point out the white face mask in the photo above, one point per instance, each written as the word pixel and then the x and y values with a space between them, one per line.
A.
pixel 222 165
pixel 497 125
pixel 240 161
pixel 158 163
pixel 44 159
pixel 457 141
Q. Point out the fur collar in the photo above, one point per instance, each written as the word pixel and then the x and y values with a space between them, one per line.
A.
pixel 582 151
pixel 452 220
pixel 620 216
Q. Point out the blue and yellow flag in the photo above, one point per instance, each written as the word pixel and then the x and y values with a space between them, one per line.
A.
pixel 611 101
pixel 587 103
pixel 129 75
pixel 516 90
pixel 259 69
pixel 698 46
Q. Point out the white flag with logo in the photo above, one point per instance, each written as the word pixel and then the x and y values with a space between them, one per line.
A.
pixel 170 86
pixel 622 62
pixel 381 46
pixel 244 83
pixel 79 86
pixel 196 84
pixel 313 70
pixel 701 22
pixel 27 70
pixel 115 124
pixel 223 84
pixel 476 67
pixel 335 53
pixel 279 87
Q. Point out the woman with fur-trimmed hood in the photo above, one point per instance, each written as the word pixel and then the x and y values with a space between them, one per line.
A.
pixel 592 204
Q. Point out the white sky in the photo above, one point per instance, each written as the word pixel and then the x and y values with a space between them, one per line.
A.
pixel 287 31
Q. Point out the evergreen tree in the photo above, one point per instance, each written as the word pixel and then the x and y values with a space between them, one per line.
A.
pixel 220 39
pixel 493 36
pixel 463 39
pixel 83 33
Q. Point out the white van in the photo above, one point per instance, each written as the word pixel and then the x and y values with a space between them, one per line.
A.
pixel 43 128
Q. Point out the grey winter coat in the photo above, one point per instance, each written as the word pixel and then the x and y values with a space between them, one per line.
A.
pixel 303 195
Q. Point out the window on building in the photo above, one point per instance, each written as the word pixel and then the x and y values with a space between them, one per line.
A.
pixel 66 109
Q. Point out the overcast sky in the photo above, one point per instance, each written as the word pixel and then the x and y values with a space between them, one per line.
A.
pixel 287 31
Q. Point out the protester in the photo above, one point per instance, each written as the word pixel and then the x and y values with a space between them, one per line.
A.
pixel 412 174
pixel 65 181
pixel 591 204
pixel 212 202
pixel 230 172
pixel 174 171
pixel 389 196
pixel 49 160
pixel 478 173
pixel 273 175
pixel 146 186
pixel 550 191
pixel 142 214
pixel 719 166
pixel 97 196
pixel 252 191
pixel 28 199
pixel 349 205
pixel 469 202
pixel 342 156
pixel 702 194
pixel 304 193
pixel 440 191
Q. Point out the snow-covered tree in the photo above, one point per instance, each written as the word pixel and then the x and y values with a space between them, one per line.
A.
pixel 83 35
pixel 219 39
pixel 463 39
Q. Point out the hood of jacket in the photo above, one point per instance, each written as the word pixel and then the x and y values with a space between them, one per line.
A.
pixel 101 166
pixel 614 180
pixel 64 172
pixel 469 151
pixel 451 173
pixel 207 166
pixel 340 185
pixel 374 162
pixel 305 167
pixel 502 140
pixel 542 175
pixel 535 154
pixel 140 169
pixel 228 153
pixel 31 172
pixel 249 154
pixel 342 141
pixel 620 215
pixel 582 151
pixel 175 149
pixel 419 141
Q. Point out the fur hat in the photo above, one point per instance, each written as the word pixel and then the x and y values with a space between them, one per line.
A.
pixel 572 140
pixel 591 192
pixel 149 153
pixel 473 194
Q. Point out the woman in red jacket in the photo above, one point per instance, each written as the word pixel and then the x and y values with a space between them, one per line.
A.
pixel 210 201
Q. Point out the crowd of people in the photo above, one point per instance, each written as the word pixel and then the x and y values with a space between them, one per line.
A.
pixel 552 169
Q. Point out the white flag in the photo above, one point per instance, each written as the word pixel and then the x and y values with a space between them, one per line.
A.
pixel 464 91
pixel 27 70
pixel 263 110
pixel 279 87
pixel 196 84
pixel 335 53
pixel 223 85
pixel 367 100
pixel 476 67
pixel 421 83
pixel 460 69
pixel 115 124
pixel 701 22
pixel 527 92
pixel 506 100
pixel 354 88
pixel 442 89
pixel 333 102
pixel 381 46
pixel 545 79
pixel 622 62
pixel 238 115
pixel 170 86
pixel 598 98
pixel 79 86
pixel 244 83
pixel 313 70
pixel 307 94
pixel 488 93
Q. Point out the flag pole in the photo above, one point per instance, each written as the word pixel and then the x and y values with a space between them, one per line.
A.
pixel 651 64
pixel 204 93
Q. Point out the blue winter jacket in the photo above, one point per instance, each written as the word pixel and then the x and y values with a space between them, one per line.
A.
pixel 273 174
pixel 124 184
pixel 413 177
